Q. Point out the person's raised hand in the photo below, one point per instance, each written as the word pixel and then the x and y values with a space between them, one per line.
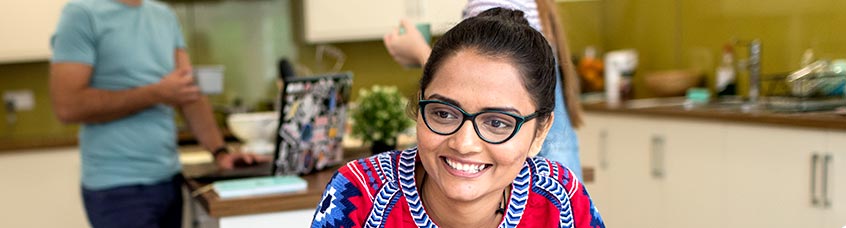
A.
pixel 408 49
pixel 178 88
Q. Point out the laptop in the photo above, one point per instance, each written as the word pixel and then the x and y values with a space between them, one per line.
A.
pixel 310 131
pixel 312 122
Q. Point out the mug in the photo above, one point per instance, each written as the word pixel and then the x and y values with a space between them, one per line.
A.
pixel 425 30
pixel 209 79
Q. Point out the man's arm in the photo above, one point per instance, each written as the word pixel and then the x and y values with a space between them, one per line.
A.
pixel 75 101
pixel 198 114
pixel 200 119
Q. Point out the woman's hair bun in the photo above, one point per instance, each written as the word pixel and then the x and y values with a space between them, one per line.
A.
pixel 515 16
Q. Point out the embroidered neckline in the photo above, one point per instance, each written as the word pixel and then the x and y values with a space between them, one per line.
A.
pixel 516 205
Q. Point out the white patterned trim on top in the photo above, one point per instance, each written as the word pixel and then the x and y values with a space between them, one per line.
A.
pixel 516 206
pixel 554 188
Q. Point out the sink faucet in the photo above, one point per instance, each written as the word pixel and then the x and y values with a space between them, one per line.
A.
pixel 753 65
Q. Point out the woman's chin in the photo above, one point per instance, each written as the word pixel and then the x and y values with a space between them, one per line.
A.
pixel 467 195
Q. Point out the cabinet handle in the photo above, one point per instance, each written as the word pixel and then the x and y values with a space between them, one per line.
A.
pixel 824 189
pixel 814 200
pixel 657 159
pixel 603 149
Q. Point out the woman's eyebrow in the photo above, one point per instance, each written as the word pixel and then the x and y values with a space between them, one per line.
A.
pixel 436 96
pixel 439 97
pixel 503 109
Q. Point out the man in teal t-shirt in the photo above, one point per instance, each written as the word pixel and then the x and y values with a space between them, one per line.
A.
pixel 120 69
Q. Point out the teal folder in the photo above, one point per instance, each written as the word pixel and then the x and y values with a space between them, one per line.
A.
pixel 259 186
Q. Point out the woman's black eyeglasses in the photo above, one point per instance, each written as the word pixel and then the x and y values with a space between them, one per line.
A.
pixel 492 126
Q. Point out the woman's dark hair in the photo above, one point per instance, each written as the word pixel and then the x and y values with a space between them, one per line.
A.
pixel 501 33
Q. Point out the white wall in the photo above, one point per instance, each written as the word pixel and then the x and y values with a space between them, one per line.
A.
pixel 40 188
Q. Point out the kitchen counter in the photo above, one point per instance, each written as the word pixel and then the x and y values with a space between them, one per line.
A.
pixel 8 145
pixel 672 108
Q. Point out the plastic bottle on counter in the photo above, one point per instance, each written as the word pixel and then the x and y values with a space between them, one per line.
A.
pixel 726 84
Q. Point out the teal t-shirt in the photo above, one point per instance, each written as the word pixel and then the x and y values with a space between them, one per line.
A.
pixel 127 47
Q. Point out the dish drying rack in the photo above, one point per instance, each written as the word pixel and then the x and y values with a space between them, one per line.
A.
pixel 814 92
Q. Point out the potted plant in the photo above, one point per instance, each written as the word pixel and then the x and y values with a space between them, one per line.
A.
pixel 379 117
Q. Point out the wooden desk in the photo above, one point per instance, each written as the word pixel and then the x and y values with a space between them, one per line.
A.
pixel 217 207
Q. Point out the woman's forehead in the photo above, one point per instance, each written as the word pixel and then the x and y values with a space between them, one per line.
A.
pixel 478 81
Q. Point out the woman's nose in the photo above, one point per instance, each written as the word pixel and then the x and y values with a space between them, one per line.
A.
pixel 465 140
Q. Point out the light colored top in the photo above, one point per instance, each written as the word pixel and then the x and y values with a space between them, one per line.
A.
pixel 128 47
pixel 529 8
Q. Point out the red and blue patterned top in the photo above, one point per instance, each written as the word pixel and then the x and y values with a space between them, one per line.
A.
pixel 380 191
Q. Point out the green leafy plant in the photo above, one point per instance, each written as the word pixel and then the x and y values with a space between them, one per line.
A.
pixel 380 115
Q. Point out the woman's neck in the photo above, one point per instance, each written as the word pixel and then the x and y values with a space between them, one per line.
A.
pixel 450 213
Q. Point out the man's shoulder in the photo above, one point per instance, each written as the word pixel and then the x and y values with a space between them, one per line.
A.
pixel 158 6
pixel 80 6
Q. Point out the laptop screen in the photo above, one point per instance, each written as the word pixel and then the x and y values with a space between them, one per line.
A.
pixel 311 123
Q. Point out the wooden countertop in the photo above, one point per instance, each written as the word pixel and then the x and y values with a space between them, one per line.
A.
pixel 17 144
pixel 26 143
pixel 217 207
pixel 823 120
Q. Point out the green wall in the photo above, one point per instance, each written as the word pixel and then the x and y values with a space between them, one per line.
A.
pixel 674 34
pixel 368 60
pixel 40 121
pixel 249 37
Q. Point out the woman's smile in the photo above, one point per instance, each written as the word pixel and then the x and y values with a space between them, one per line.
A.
pixel 464 168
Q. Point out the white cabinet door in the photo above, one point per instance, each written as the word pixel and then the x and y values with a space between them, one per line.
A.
pixel 835 214
pixel 768 181
pixel 694 173
pixel 593 153
pixel 342 21
pixel 442 14
pixel 635 190
pixel 26 28
pixel 331 20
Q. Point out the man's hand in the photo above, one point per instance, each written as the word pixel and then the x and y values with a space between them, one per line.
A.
pixel 228 161
pixel 178 88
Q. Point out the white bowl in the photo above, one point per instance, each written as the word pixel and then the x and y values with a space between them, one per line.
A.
pixel 256 130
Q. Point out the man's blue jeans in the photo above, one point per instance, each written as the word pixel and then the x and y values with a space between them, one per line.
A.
pixel 158 205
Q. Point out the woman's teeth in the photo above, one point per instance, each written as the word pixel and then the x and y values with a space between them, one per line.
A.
pixel 469 168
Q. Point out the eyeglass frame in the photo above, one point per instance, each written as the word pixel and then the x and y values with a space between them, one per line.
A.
pixel 472 117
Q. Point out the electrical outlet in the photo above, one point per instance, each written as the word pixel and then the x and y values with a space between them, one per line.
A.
pixel 21 100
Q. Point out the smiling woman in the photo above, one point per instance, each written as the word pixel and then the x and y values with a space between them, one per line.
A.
pixel 497 73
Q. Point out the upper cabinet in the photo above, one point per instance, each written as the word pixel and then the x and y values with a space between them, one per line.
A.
pixel 26 27
pixel 340 21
